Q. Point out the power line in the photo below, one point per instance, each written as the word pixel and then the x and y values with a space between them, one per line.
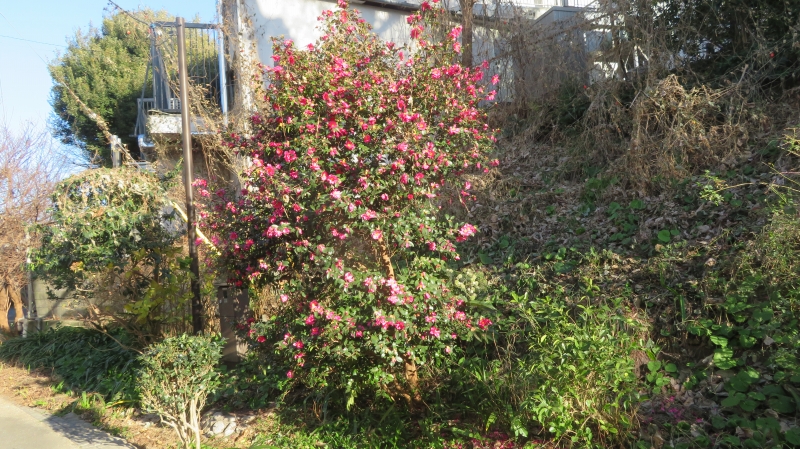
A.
pixel 127 13
pixel 29 45
pixel 35 42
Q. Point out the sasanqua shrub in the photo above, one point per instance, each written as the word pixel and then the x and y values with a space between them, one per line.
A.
pixel 340 210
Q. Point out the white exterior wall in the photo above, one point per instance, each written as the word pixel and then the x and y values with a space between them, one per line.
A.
pixel 297 20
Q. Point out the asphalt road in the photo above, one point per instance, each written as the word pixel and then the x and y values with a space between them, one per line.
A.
pixel 27 428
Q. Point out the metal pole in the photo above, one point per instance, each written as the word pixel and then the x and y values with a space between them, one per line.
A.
pixel 31 299
pixel 223 82
pixel 116 142
pixel 188 178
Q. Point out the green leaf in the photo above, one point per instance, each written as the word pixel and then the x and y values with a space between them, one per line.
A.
pixel 719 341
pixel 723 358
pixel 733 440
pixel 518 428
pixel 748 405
pixel 782 404
pixel 733 400
pixel 671 368
pixel 664 236
pixel 793 436
pixel 654 366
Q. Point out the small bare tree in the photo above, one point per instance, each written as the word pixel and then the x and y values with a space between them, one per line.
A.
pixel 467 20
pixel 28 169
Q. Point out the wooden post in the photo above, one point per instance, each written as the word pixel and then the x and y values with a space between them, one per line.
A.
pixel 188 177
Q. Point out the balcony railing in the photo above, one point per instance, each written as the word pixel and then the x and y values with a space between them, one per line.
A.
pixel 551 3
pixel 143 106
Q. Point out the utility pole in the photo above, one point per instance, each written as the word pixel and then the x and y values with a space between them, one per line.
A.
pixel 188 177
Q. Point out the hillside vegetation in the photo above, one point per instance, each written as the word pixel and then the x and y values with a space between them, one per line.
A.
pixel 633 280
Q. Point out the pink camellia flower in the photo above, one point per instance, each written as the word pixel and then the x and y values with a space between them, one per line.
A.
pixel 310 320
pixel 369 215
pixel 466 231
pixel 432 246
pixel 455 32
pixel 448 350
pixel 457 47
pixel 315 331
pixel 289 156
pixel 495 79
pixel 289 374
pixel 399 325
pixel 434 332
pixel 348 277
pixel 284 298
pixel 336 194
pixel 377 234
pixel 384 197
pixel 484 323
pixel 261 339
pixel 298 344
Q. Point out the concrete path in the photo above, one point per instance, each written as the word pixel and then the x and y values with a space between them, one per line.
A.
pixel 27 428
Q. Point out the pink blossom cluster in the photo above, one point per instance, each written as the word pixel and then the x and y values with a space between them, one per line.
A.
pixel 352 147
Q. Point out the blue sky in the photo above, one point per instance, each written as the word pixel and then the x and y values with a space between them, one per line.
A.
pixel 24 81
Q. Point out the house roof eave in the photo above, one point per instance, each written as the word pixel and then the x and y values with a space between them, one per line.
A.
pixel 390 4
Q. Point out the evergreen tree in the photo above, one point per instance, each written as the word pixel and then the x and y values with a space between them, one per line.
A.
pixel 106 69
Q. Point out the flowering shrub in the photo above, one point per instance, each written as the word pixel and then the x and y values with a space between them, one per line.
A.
pixel 353 140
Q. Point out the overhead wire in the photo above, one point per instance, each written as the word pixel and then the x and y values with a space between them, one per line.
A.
pixel 18 32
pixel 128 13
pixel 30 40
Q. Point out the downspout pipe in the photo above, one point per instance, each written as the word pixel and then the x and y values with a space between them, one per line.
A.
pixel 223 76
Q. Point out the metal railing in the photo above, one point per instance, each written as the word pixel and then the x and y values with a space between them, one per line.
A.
pixel 203 59
pixel 143 106
pixel 551 3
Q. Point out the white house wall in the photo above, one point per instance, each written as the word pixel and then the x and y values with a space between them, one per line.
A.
pixel 297 20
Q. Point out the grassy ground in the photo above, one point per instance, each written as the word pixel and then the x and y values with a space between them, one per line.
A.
pixel 667 320
pixel 628 312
